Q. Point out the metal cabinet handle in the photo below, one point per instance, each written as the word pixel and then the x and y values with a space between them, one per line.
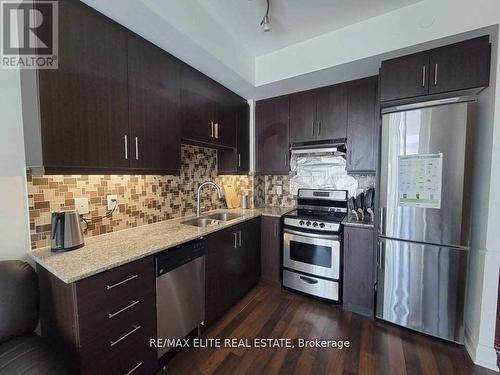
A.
pixel 136 148
pixel 423 75
pixel 308 280
pixel 126 146
pixel 240 238
pixel 113 343
pixel 134 368
pixel 319 127
pixel 235 243
pixel 435 74
pixel 239 160
pixel 216 132
pixel 312 127
pixel 132 277
pixel 286 159
pixel 211 129
pixel 276 230
pixel 112 315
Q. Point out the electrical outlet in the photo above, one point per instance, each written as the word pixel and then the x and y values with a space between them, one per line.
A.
pixel 112 201
pixel 82 205
pixel 279 189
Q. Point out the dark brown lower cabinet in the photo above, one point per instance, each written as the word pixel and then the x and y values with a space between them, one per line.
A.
pixel 359 270
pixel 104 321
pixel 232 267
pixel 270 256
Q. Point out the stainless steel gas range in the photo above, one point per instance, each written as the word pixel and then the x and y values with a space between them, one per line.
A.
pixel 312 243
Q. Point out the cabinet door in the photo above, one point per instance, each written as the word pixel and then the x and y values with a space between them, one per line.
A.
pixel 248 256
pixel 226 123
pixel 460 66
pixel 237 160
pixel 243 138
pixel 332 112
pixel 271 249
pixel 362 126
pixel 221 266
pixel 196 106
pixel 154 107
pixel 303 126
pixel 358 281
pixel 404 77
pixel 271 136
pixel 84 103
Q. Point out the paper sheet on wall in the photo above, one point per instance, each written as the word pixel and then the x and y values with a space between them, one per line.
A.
pixel 419 182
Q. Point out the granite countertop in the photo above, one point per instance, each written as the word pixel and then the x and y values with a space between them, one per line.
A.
pixel 350 220
pixel 110 250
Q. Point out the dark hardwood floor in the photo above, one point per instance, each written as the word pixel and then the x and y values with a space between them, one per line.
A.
pixel 269 312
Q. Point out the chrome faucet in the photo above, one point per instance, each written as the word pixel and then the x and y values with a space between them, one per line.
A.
pixel 219 192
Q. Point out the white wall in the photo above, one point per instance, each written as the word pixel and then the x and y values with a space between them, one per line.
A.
pixel 14 223
pixel 416 24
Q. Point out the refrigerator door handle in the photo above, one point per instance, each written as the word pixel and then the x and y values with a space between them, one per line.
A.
pixel 381 221
pixel 381 254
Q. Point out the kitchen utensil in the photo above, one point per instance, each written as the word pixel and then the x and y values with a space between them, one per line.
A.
pixel 245 201
pixel 368 203
pixel 232 200
pixel 66 231
pixel 351 203
pixel 359 206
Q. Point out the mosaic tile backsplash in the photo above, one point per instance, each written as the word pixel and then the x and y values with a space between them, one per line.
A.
pixel 142 199
pixel 265 192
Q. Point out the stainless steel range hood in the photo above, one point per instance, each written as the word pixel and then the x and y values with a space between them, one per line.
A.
pixel 315 147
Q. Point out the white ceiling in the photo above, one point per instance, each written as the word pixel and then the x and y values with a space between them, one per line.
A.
pixel 292 21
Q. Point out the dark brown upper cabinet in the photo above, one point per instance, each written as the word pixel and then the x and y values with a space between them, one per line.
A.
pixel 331 112
pixel 363 121
pixel 209 111
pixel 271 136
pixel 319 114
pixel 83 105
pixel 460 66
pixel 404 77
pixel 303 125
pixel 457 67
pixel 154 108
pixel 237 160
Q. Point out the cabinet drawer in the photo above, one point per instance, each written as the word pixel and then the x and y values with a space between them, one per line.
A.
pixel 107 323
pixel 132 358
pixel 113 341
pixel 112 289
pixel 311 285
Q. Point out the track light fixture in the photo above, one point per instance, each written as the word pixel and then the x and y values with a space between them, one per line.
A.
pixel 266 26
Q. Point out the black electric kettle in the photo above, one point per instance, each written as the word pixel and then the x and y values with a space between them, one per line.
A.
pixel 66 232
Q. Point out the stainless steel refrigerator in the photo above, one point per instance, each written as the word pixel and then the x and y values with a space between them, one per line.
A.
pixel 424 207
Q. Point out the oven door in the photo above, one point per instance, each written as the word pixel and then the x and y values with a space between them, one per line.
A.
pixel 314 253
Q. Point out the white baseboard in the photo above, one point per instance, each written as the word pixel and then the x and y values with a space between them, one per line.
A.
pixel 481 355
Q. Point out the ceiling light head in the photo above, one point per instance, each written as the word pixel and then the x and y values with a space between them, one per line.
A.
pixel 266 26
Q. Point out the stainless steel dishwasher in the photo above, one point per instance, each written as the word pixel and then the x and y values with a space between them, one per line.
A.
pixel 180 291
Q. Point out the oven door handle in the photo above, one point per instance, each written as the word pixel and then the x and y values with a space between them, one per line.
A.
pixel 312 235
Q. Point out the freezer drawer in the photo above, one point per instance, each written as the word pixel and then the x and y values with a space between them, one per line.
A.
pixel 422 287
pixel 314 286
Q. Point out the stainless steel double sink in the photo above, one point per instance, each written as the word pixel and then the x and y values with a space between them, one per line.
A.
pixel 212 219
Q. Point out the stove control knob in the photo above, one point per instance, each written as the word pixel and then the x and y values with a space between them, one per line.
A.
pixel 315 224
pixel 322 225
pixel 308 223
pixel 301 222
